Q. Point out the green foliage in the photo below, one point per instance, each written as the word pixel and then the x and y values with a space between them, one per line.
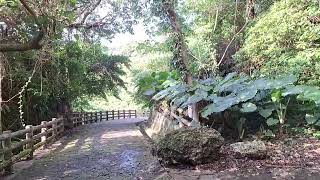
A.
pixel 241 94
pixel 283 40
pixel 149 84
pixel 76 70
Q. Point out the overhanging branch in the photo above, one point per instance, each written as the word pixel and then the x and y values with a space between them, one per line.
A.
pixel 34 43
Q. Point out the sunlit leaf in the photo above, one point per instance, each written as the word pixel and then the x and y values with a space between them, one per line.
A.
pixel 272 121
pixel 248 107
pixel 266 112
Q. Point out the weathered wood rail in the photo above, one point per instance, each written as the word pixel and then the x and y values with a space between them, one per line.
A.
pixel 182 121
pixel 34 137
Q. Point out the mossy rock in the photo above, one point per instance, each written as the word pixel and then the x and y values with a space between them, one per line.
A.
pixel 190 146
pixel 251 149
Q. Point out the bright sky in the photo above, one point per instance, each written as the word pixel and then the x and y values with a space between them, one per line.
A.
pixel 124 39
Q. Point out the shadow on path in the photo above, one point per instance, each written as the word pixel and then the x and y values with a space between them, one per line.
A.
pixel 107 150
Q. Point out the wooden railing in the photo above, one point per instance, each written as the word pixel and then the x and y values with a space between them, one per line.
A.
pixel 181 120
pixel 34 137
pixel 80 118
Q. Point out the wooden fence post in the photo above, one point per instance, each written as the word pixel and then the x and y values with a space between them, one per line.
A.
pixel 29 136
pixel 91 117
pixel 87 118
pixel 100 116
pixel 135 113
pixel 96 116
pixel 77 118
pixel 83 118
pixel 6 144
pixel 107 115
pixel 44 137
pixel 112 114
pixel 118 114
pixel 73 120
pixel 54 128
pixel 80 119
pixel 63 123
pixel 124 114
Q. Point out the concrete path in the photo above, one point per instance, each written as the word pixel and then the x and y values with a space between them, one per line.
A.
pixel 107 150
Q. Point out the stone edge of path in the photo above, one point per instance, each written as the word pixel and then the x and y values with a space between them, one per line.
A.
pixel 166 174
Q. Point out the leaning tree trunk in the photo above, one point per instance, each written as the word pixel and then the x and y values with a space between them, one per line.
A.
pixel 250 10
pixel 1 72
pixel 182 50
pixel 1 129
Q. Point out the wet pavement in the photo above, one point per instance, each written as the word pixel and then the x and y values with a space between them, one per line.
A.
pixel 107 150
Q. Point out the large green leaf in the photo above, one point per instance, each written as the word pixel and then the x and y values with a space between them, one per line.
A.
pixel 161 95
pixel 200 86
pixel 272 121
pixel 178 101
pixel 266 112
pixel 276 96
pixel 299 89
pixel 311 119
pixel 149 92
pixel 219 105
pixel 313 96
pixel 260 84
pixel 170 92
pixel 246 94
pixel 283 82
pixel 248 107
pixel 233 85
pixel 197 97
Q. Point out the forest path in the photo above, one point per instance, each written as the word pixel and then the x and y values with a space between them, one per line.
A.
pixel 107 150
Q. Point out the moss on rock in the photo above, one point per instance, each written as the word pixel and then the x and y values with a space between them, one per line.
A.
pixel 190 146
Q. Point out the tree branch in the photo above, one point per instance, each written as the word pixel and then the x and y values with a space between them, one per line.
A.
pixel 34 43
pixel 231 41
pixel 88 26
pixel 85 16
pixel 315 19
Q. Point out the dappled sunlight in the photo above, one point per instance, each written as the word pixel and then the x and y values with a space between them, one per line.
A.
pixel 71 171
pixel 317 151
pixel 120 134
pixel 42 178
pixel 87 144
pixel 70 145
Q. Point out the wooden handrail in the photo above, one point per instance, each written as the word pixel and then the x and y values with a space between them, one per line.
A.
pixel 185 122
pixel 40 135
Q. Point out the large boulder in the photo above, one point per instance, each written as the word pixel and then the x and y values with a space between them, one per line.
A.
pixel 189 146
pixel 251 149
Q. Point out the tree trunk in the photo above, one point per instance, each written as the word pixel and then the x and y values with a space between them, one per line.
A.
pixel 182 51
pixel 250 10
pixel 1 129
pixel 1 69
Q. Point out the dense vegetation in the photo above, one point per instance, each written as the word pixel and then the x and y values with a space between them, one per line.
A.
pixel 243 65
pixel 273 46
pixel 52 59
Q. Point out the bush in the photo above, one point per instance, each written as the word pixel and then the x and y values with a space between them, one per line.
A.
pixel 284 40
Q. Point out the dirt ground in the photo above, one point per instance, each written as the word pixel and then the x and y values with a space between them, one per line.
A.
pixel 117 150
pixel 107 150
